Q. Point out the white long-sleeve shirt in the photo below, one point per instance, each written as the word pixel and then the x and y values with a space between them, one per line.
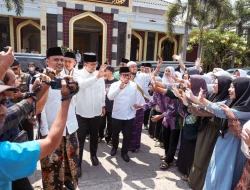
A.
pixel 51 110
pixel 143 79
pixel 91 96
pixel 124 100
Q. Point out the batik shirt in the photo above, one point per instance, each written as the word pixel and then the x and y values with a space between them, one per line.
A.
pixel 167 107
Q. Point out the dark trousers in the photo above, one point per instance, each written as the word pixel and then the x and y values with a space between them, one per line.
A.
pixel 146 117
pixel 170 138
pixel 155 128
pixel 126 127
pixel 107 119
pixel 28 127
pixel 92 126
pixel 21 184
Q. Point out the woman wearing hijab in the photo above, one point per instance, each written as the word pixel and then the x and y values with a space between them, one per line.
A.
pixel 208 133
pixel 227 161
pixel 168 74
pixel 235 126
pixel 190 129
pixel 240 73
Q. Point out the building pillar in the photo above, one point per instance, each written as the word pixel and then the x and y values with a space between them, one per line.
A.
pixel 128 38
pixel 12 38
pixel 156 45
pixel 145 46
pixel 43 29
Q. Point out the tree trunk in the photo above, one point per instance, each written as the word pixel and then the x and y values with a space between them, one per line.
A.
pixel 199 49
pixel 185 41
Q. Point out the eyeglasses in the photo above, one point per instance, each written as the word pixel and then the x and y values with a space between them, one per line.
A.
pixel 3 102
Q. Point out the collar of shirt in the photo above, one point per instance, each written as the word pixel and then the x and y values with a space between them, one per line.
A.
pixel 70 73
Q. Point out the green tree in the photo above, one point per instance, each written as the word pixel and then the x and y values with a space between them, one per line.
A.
pixel 219 48
pixel 204 14
pixel 16 5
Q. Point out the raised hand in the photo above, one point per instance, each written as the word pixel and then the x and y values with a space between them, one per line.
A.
pixel 184 99
pixel 101 71
pixel 159 62
pixel 123 85
pixel 6 58
pixel 176 57
pixel 201 95
pixel 176 91
pixel 137 106
pixel 227 111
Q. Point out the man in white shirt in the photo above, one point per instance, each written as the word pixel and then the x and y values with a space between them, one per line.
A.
pixel 125 96
pixel 142 80
pixel 61 167
pixel 90 104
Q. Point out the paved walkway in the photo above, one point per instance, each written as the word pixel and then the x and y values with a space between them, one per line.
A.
pixel 142 172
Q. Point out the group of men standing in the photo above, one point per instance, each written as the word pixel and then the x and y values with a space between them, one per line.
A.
pixel 104 97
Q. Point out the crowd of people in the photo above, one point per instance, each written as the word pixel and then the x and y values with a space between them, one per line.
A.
pixel 201 118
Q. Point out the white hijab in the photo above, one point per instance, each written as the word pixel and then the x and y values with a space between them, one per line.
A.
pixel 242 72
pixel 164 78
pixel 244 146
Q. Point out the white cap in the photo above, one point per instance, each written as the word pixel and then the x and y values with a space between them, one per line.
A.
pixel 131 63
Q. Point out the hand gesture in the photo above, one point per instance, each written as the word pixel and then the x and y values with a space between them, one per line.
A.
pixel 176 91
pixel 51 73
pixel 246 138
pixel 101 71
pixel 159 62
pixel 174 78
pixel 156 118
pixel 189 93
pixel 6 58
pixel 67 89
pixel 184 99
pixel 197 62
pixel 176 57
pixel 227 111
pixel 123 85
pixel 201 95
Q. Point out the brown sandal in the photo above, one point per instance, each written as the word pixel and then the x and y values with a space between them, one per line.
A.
pixel 164 166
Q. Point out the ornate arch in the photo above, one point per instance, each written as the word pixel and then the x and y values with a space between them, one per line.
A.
pixel 140 43
pixel 98 19
pixel 162 40
pixel 18 31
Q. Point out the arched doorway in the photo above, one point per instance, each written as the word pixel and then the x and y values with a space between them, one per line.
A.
pixel 89 34
pixel 167 48
pixel 28 37
pixel 136 47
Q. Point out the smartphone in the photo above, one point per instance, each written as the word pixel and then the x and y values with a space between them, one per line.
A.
pixel 56 84
pixel 158 57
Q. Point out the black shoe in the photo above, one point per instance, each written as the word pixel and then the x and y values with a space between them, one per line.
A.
pixel 69 185
pixel 79 172
pixel 113 152
pixel 94 161
pixel 125 157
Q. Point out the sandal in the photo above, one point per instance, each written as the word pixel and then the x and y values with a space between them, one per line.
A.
pixel 164 166
pixel 184 178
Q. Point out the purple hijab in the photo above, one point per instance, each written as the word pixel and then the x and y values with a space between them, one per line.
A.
pixel 197 82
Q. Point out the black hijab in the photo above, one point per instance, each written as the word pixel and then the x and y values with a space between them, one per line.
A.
pixel 242 100
pixel 224 83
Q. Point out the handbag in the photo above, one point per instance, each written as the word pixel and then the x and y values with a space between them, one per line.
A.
pixel 20 137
